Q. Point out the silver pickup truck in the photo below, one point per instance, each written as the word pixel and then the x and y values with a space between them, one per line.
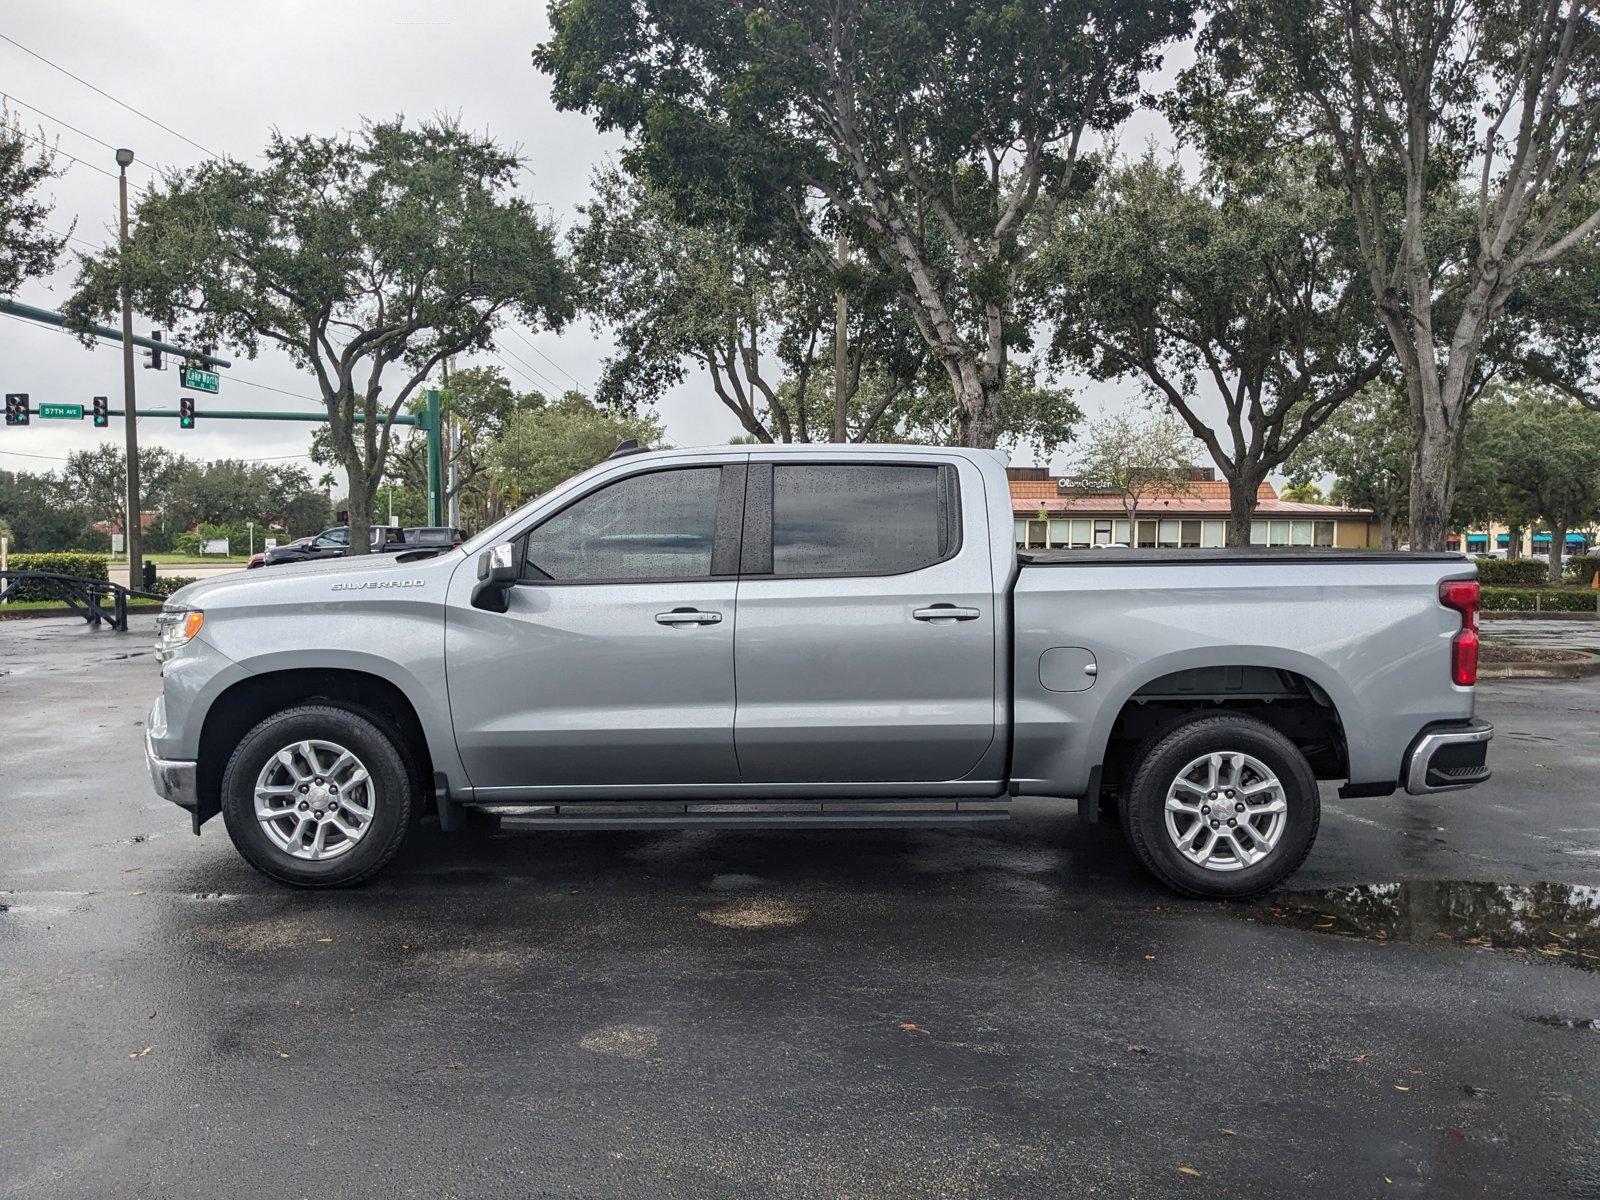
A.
pixel 811 636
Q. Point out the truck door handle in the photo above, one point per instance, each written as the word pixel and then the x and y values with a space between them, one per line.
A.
pixel 688 616
pixel 945 613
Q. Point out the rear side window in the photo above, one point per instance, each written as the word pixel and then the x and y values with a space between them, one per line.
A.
pixel 656 526
pixel 867 519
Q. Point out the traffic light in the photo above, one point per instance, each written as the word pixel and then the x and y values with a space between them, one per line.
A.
pixel 186 412
pixel 152 356
pixel 16 408
pixel 102 417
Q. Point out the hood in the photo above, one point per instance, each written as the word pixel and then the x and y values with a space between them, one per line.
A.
pixel 284 579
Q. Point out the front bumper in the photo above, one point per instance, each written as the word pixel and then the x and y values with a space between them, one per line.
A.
pixel 175 781
pixel 1447 757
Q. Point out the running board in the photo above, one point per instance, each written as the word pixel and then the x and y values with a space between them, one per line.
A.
pixel 726 816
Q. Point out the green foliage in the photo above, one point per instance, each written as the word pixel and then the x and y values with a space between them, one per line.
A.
pixel 1242 282
pixel 1499 599
pixel 539 449
pixel 1135 456
pixel 165 585
pixel 1304 492
pixel 1583 568
pixel 84 566
pixel 361 256
pixel 678 294
pixel 943 137
pixel 1511 572
pixel 27 247
pixel 1367 445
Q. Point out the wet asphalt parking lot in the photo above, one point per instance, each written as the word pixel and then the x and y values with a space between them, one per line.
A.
pixel 1009 1011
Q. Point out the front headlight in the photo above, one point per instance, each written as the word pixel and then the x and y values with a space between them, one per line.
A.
pixel 175 628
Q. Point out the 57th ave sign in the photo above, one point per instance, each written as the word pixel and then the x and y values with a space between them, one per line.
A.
pixel 61 412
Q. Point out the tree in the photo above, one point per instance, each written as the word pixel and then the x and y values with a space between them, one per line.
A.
pixel 1366 445
pixel 754 317
pixel 396 248
pixel 1417 105
pixel 1548 454
pixel 1243 285
pixel 27 247
pixel 539 448
pixel 41 515
pixel 942 138
pixel 98 480
pixel 1304 492
pixel 1134 456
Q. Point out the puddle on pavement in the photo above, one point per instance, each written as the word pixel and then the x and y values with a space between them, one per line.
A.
pixel 1556 921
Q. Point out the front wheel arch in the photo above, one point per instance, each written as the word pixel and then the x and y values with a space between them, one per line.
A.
pixel 243 706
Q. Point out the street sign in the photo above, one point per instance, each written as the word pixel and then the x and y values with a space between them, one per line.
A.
pixel 200 379
pixel 61 412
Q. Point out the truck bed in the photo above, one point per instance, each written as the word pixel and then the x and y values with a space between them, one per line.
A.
pixel 1121 556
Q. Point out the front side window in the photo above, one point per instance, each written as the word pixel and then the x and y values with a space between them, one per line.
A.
pixel 868 519
pixel 333 539
pixel 659 525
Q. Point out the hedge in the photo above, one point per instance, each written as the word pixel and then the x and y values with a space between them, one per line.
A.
pixel 1496 599
pixel 1513 572
pixel 1584 566
pixel 60 562
pixel 165 585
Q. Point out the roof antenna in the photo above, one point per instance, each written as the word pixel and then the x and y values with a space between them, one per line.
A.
pixel 629 446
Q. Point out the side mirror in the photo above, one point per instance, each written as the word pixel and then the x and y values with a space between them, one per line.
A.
pixel 497 571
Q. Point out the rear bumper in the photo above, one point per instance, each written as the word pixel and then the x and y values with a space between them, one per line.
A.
pixel 1447 757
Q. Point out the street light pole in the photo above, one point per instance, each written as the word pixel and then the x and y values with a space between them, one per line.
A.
pixel 131 523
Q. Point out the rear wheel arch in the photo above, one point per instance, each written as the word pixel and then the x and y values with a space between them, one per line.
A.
pixel 1289 701
pixel 241 707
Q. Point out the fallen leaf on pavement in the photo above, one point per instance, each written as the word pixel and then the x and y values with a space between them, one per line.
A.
pixel 135 893
pixel 324 940
pixel 1188 1171
pixel 912 1027
pixel 1398 1088
pixel 141 1053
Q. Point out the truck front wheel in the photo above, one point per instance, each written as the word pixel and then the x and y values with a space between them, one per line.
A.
pixel 317 796
pixel 1221 806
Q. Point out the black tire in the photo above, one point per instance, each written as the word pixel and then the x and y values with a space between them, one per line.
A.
pixel 379 751
pixel 1159 762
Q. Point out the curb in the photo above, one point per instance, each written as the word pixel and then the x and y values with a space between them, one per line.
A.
pixel 31 614
pixel 1588 665
pixel 1538 616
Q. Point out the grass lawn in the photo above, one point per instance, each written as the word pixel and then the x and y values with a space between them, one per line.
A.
pixel 60 606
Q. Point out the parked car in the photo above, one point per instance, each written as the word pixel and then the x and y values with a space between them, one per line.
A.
pixel 426 537
pixel 892 645
pixel 332 543
pixel 259 559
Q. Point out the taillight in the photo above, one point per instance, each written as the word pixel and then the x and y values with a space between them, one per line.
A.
pixel 1462 596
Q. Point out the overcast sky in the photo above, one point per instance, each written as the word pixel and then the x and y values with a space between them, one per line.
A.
pixel 225 74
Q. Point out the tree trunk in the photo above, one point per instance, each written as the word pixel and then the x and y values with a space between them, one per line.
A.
pixel 1513 541
pixel 1558 543
pixel 360 512
pixel 1388 538
pixel 1241 509
pixel 1430 486
pixel 841 352
pixel 977 386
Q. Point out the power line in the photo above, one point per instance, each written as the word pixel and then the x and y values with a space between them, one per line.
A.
pixel 529 344
pixel 109 96
pixel 10 99
pixel 550 383
pixel 46 457
pixel 82 162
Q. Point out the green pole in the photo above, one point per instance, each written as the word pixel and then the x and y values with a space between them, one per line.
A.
pixel 430 425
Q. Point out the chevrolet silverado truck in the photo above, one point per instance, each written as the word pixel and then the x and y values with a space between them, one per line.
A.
pixel 800 636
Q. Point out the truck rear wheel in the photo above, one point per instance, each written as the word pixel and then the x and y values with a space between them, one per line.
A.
pixel 318 796
pixel 1221 806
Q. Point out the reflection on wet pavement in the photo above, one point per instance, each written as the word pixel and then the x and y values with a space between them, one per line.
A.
pixel 1556 920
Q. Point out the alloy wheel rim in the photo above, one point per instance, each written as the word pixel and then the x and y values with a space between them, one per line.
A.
pixel 1226 811
pixel 315 800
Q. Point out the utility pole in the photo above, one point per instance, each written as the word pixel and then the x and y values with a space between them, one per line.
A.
pixel 131 526
pixel 841 347
pixel 452 446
